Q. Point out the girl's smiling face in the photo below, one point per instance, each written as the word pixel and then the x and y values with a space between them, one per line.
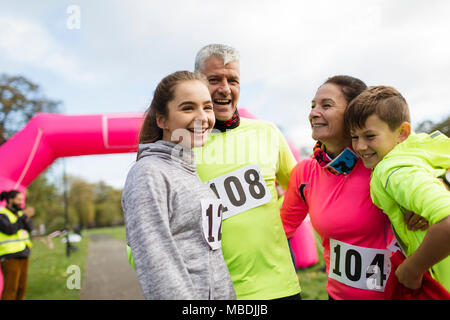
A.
pixel 190 115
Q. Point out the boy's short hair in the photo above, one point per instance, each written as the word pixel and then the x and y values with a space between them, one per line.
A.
pixel 386 102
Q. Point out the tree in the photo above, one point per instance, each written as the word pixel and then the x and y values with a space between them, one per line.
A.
pixel 81 200
pixel 20 100
pixel 47 201
pixel 108 208
pixel 90 205
pixel 429 126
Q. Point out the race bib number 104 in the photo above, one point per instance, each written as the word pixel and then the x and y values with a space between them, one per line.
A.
pixel 241 190
pixel 359 267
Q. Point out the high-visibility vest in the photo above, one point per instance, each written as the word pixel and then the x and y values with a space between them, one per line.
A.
pixel 12 243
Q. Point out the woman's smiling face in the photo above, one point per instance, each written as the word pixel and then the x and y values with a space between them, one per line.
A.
pixel 327 115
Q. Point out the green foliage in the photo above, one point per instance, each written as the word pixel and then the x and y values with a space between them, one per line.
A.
pixel 20 100
pixel 47 200
pixel 429 126
pixel 89 205
pixel 81 200
pixel 108 210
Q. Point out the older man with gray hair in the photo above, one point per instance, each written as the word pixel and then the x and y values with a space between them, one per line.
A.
pixel 241 161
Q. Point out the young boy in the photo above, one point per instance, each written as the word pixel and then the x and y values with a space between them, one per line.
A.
pixel 406 168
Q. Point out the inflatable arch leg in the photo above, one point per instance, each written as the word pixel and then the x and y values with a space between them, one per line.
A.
pixel 303 245
pixel 1 282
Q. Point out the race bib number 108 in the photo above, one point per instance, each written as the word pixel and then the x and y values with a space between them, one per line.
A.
pixel 359 267
pixel 241 190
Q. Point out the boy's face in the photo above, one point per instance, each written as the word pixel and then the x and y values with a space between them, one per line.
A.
pixel 376 140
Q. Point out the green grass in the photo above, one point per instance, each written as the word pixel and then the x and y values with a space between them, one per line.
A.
pixel 313 279
pixel 115 232
pixel 47 270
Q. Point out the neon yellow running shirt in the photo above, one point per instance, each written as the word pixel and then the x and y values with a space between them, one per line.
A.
pixel 254 243
pixel 406 180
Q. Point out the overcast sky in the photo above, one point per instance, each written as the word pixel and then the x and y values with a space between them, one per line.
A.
pixel 120 51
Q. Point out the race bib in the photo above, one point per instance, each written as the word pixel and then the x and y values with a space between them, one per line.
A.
pixel 212 222
pixel 359 267
pixel 241 190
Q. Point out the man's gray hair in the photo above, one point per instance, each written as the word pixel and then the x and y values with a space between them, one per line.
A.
pixel 223 51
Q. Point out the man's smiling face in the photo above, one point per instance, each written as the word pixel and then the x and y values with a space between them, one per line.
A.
pixel 224 85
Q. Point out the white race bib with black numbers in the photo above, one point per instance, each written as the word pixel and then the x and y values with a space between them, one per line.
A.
pixel 212 222
pixel 359 267
pixel 241 190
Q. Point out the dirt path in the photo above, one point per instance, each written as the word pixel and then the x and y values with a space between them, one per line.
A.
pixel 108 275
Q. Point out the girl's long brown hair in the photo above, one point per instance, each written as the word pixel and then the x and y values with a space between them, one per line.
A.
pixel 164 93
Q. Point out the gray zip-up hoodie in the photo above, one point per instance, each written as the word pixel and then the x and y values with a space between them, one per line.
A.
pixel 162 207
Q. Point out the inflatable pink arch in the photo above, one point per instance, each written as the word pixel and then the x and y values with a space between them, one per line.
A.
pixel 49 136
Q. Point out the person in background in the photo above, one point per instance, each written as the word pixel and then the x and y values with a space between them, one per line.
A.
pixel 15 244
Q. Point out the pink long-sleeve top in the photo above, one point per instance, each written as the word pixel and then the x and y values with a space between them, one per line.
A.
pixel 355 233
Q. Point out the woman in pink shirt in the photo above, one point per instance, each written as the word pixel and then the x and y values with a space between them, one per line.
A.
pixel 333 187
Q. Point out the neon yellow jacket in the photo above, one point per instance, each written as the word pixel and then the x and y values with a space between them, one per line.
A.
pixel 15 242
pixel 406 180
pixel 254 243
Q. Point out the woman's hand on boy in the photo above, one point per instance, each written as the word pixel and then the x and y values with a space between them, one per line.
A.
pixel 415 222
